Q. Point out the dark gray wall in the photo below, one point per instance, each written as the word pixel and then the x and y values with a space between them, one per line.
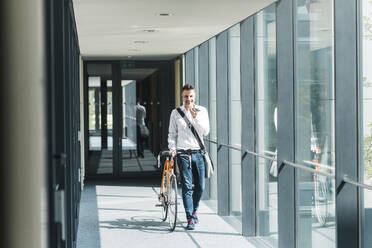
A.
pixel 190 67
pixel 285 138
pixel 248 127
pixel 346 92
pixel 222 123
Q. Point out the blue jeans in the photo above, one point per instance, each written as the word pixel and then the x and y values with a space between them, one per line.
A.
pixel 190 197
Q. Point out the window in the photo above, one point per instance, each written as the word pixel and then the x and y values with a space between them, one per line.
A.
pixel 266 125
pixel 314 123
pixel 234 121
pixel 366 133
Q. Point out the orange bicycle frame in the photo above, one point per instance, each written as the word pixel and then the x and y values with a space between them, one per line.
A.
pixel 168 170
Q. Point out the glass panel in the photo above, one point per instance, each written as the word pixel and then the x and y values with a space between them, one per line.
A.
pixel 265 112
pixel 366 133
pixel 314 123
pixel 235 121
pixel 94 103
pixel 213 118
pixel 109 115
pixel 100 119
pixel 129 139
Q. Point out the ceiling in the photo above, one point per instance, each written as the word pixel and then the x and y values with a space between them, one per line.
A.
pixel 137 29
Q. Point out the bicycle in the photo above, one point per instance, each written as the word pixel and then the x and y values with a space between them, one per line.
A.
pixel 321 197
pixel 168 190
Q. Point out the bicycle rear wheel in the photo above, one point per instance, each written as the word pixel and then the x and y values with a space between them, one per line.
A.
pixel 172 202
pixel 163 198
pixel 321 199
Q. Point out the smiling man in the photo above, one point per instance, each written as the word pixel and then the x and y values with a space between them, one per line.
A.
pixel 183 142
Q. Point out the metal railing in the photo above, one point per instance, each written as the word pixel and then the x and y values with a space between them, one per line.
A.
pixel 301 167
pixel 345 179
pixel 241 150
pixel 361 185
pixel 298 166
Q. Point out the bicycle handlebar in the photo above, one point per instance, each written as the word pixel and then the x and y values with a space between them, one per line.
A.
pixel 165 153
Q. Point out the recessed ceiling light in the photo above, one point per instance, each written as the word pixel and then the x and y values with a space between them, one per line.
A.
pixel 141 41
pixel 134 50
pixel 163 14
pixel 150 30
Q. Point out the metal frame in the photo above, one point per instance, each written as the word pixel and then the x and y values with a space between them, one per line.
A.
pixel 222 122
pixel 346 132
pixel 62 59
pixel 247 61
pixel 203 94
pixel 117 132
pixel 285 76
pixel 189 67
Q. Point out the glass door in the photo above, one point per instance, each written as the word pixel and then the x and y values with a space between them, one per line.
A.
pixel 100 120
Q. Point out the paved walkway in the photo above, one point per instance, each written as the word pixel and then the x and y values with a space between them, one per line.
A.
pixel 124 215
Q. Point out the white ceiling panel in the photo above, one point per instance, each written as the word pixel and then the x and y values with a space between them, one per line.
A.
pixel 134 29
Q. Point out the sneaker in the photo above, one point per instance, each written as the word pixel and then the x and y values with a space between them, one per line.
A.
pixel 190 224
pixel 194 215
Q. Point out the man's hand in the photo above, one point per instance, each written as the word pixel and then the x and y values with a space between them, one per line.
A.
pixel 173 153
pixel 193 113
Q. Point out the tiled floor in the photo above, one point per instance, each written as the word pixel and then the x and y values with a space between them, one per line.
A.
pixel 123 214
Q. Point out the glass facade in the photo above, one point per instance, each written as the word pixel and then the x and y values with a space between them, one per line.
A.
pixel 309 84
pixel 314 123
pixel 94 101
pixel 366 123
pixel 235 121
pixel 266 125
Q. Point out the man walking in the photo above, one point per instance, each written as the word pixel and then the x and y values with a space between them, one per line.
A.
pixel 190 159
pixel 141 127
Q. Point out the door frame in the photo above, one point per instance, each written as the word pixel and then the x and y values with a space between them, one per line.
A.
pixel 116 112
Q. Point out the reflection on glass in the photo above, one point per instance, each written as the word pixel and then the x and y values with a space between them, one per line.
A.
pixel 235 121
pixel 94 118
pixel 129 139
pixel 314 123
pixel 366 134
pixel 266 108
pixel 213 117
pixel 109 116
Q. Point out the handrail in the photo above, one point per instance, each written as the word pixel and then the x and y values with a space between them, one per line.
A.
pixel 320 165
pixel 239 149
pixel 361 185
pixel 232 147
pixel 302 167
pixel 213 141
pixel 261 155
pixel 298 166
pixel 270 152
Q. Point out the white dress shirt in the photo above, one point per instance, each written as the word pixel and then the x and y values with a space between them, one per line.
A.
pixel 180 135
pixel 140 114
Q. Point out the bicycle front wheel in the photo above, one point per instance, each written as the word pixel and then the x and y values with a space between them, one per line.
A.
pixel 163 198
pixel 172 202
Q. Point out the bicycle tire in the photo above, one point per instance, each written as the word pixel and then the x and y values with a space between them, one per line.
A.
pixel 321 200
pixel 163 199
pixel 172 202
